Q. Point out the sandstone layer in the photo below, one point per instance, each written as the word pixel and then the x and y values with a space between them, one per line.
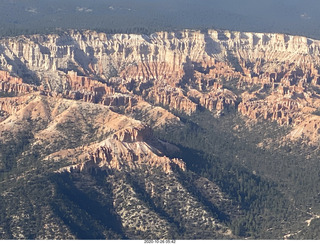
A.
pixel 264 76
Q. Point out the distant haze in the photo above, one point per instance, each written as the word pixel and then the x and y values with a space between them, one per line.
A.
pixel 299 17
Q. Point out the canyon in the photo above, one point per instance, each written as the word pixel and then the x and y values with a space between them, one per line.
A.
pixel 75 104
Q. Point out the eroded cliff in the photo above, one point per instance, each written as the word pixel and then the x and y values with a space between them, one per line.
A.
pixel 267 76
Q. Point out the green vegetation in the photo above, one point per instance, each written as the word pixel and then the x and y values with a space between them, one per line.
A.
pixel 7 94
pixel 273 187
pixel 234 62
pixel 317 112
pixel 270 188
pixel 10 150
pixel 310 232
pixel 90 217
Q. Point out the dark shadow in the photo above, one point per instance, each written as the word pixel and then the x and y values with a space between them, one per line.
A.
pixel 148 38
pixel 144 196
pixel 265 39
pixel 222 36
pixel 64 40
pixel 243 36
pixel 188 76
pixel 22 71
pixel 255 40
pixel 144 50
pixel 187 182
pixel 287 38
pixel 44 50
pixel 211 46
pixel 5 221
pixel 83 59
pixel 84 215
pixel 234 61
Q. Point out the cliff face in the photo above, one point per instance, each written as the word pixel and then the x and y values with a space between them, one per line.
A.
pixel 180 70
pixel 166 55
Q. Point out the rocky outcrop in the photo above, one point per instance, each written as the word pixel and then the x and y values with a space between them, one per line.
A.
pixel 172 97
pixel 133 134
pixel 217 100
pixel 81 83
pixel 283 110
pixel 14 85
pixel 5 76
pixel 308 130
pixel 11 105
pixel 154 116
pixel 125 149
pixel 15 88
pixel 77 88
pixel 8 106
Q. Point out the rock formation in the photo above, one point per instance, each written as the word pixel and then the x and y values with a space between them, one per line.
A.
pixel 185 70
pixel 10 84
pixel 217 100
pixel 125 149
pixel 173 98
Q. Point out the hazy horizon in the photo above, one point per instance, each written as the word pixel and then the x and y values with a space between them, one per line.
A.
pixel 295 17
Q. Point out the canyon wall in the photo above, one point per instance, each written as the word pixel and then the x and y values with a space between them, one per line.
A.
pixel 263 76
